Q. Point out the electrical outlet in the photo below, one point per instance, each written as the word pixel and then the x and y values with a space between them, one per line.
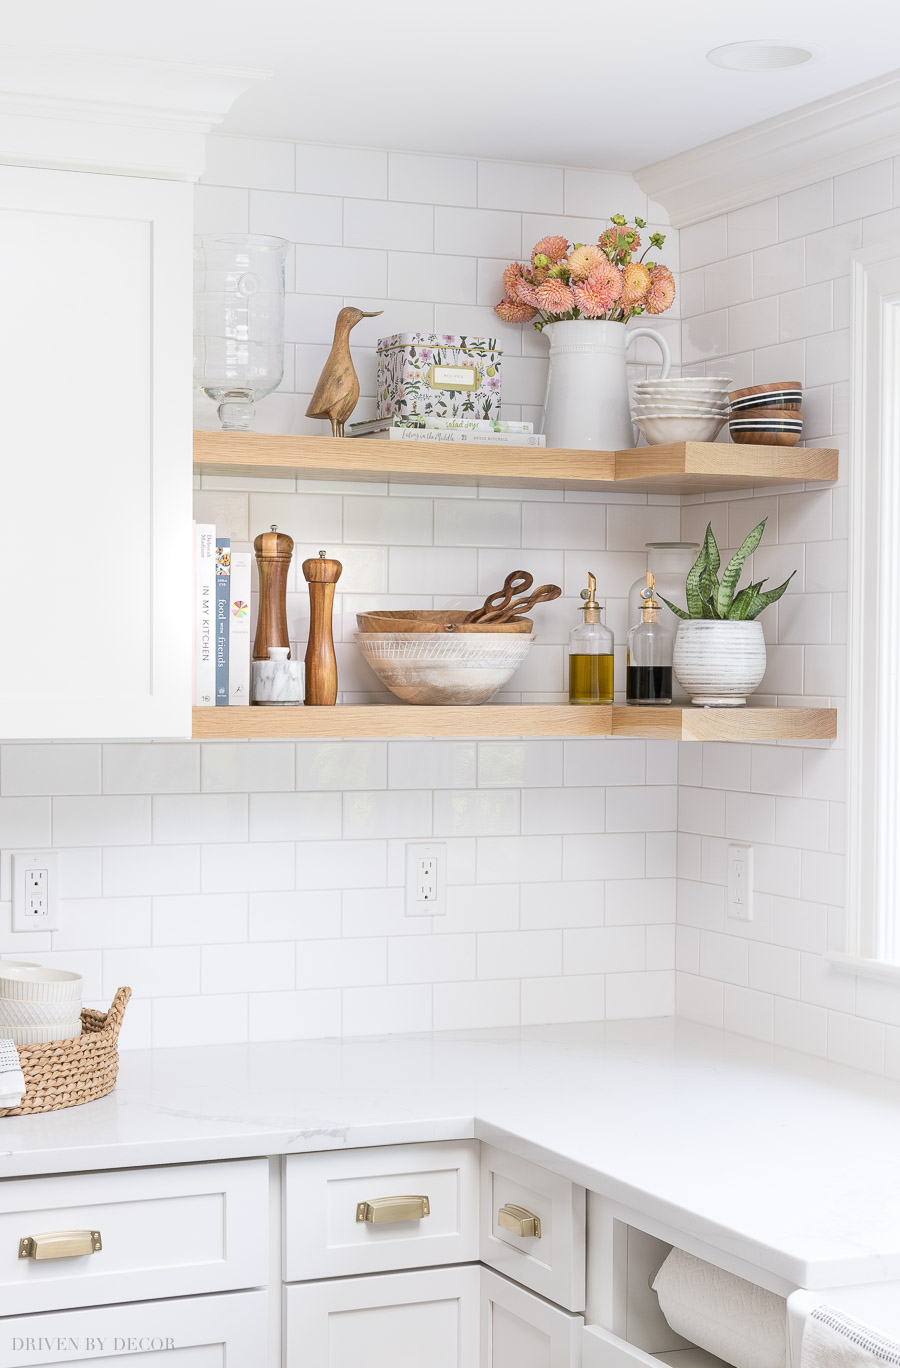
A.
pixel 35 892
pixel 740 882
pixel 426 879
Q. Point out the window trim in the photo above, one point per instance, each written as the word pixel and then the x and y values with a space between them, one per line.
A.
pixel 873 721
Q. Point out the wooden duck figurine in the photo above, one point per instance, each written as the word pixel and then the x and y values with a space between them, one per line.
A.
pixel 337 392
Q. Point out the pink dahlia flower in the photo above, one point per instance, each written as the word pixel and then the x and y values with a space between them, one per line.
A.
pixel 553 246
pixel 555 297
pixel 582 261
pixel 597 295
pixel 526 293
pixel 637 283
pixel 608 278
pixel 512 311
pixel 662 290
pixel 511 276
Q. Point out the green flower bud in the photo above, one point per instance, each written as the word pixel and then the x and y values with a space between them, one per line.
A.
pixel 619 220
pixel 640 223
pixel 541 261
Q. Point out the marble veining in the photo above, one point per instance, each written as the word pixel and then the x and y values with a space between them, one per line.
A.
pixel 782 1160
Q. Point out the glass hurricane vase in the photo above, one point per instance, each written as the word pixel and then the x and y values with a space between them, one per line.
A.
pixel 238 321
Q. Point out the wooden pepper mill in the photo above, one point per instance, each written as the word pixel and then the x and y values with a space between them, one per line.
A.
pixel 321 666
pixel 273 558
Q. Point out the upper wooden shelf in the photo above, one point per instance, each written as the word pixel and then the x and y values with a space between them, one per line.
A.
pixel 681 468
pixel 392 721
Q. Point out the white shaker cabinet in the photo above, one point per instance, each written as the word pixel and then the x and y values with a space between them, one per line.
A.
pixel 190 1332
pixel 521 1330
pixel 388 1320
pixel 95 455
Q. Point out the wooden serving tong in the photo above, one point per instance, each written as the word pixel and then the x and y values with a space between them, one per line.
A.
pixel 502 606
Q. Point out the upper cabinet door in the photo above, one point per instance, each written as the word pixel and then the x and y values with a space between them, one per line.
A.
pixel 95 456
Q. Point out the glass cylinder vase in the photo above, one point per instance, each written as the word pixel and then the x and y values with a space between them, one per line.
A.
pixel 238 321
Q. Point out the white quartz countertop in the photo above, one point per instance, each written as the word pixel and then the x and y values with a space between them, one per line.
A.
pixel 774 1157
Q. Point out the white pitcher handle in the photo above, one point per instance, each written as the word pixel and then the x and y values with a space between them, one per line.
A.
pixel 660 341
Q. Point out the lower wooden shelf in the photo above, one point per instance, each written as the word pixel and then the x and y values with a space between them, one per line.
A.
pixel 395 721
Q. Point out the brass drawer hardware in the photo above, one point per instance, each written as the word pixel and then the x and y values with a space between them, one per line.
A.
pixel 60 1244
pixel 519 1221
pixel 383 1209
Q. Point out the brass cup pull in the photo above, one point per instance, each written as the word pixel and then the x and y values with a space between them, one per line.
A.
pixel 60 1244
pixel 518 1221
pixel 381 1210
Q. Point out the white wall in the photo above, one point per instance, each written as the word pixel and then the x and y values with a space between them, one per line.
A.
pixel 254 891
pixel 765 296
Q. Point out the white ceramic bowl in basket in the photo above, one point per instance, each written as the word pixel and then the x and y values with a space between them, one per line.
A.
pixel 446 667
pixel 37 983
pixel 41 1035
pixel 24 1012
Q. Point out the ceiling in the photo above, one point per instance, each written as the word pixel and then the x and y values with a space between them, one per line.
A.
pixel 586 85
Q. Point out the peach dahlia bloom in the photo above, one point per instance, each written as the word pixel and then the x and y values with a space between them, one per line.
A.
pixel 662 290
pixel 511 276
pixel 597 295
pixel 637 283
pixel 525 293
pixel 512 311
pixel 581 261
pixel 553 246
pixel 554 296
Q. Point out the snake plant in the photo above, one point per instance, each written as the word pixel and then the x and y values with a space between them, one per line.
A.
pixel 708 596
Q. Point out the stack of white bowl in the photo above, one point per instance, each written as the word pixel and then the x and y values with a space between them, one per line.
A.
pixel 37 1004
pixel 690 408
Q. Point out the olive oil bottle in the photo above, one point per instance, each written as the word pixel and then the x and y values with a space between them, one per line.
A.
pixel 591 653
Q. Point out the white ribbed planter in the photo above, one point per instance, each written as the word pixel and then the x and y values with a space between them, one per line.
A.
pixel 719 663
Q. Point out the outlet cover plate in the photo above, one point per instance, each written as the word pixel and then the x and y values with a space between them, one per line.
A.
pixel 426 850
pixel 23 917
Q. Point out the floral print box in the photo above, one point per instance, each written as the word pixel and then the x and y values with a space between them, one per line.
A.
pixel 438 375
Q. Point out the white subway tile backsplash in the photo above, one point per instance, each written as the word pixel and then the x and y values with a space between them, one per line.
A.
pixel 465 1006
pixel 244 867
pixel 563 999
pixel 253 162
pixel 56 770
pixel 431 959
pixel 340 171
pixel 444 279
pixel 535 188
pixel 195 817
pixel 370 223
pixel 805 210
pixel 861 192
pixel 311 1014
pixel 299 218
pixel 387 1010
pixel 599 194
pixel 241 767
pixel 646 994
pixel 756 225
pixel 702 243
pixel 432 180
pixel 155 767
pixel 479 812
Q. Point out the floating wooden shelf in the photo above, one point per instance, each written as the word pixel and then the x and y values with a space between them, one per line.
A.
pixel 681 468
pixel 387 721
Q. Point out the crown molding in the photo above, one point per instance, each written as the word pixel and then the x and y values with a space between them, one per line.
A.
pixel 808 144
pixel 88 111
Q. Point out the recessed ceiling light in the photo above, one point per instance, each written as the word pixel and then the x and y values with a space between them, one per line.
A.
pixel 761 55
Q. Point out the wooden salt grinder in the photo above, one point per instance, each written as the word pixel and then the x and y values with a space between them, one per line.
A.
pixel 273 558
pixel 321 666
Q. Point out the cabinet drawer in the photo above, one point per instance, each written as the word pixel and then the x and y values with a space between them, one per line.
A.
pixel 518 1328
pixel 532 1227
pixel 329 1196
pixel 163 1232
pixel 603 1349
pixel 422 1317
pixel 192 1332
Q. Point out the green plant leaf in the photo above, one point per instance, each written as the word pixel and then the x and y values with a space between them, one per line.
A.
pixel 713 560
pixel 761 601
pixel 734 568
pixel 679 612
pixel 692 586
pixel 741 605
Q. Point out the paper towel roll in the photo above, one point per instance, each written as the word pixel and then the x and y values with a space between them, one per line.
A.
pixel 737 1321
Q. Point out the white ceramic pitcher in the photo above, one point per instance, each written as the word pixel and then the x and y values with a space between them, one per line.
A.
pixel 586 405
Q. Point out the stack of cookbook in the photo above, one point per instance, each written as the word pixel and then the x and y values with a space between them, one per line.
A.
pixel 481 431
pixel 221 620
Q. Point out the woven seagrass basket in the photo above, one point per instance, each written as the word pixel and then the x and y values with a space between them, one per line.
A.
pixel 65 1073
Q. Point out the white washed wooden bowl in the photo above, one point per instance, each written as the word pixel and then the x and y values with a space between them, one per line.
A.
pixel 42 1035
pixel 719 663
pixel 37 983
pixel 666 428
pixel 447 667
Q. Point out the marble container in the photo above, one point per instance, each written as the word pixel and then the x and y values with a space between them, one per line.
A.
pixel 278 682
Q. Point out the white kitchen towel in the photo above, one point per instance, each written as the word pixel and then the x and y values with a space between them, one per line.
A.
pixel 721 1313
pixel 12 1080
pixel 833 1340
